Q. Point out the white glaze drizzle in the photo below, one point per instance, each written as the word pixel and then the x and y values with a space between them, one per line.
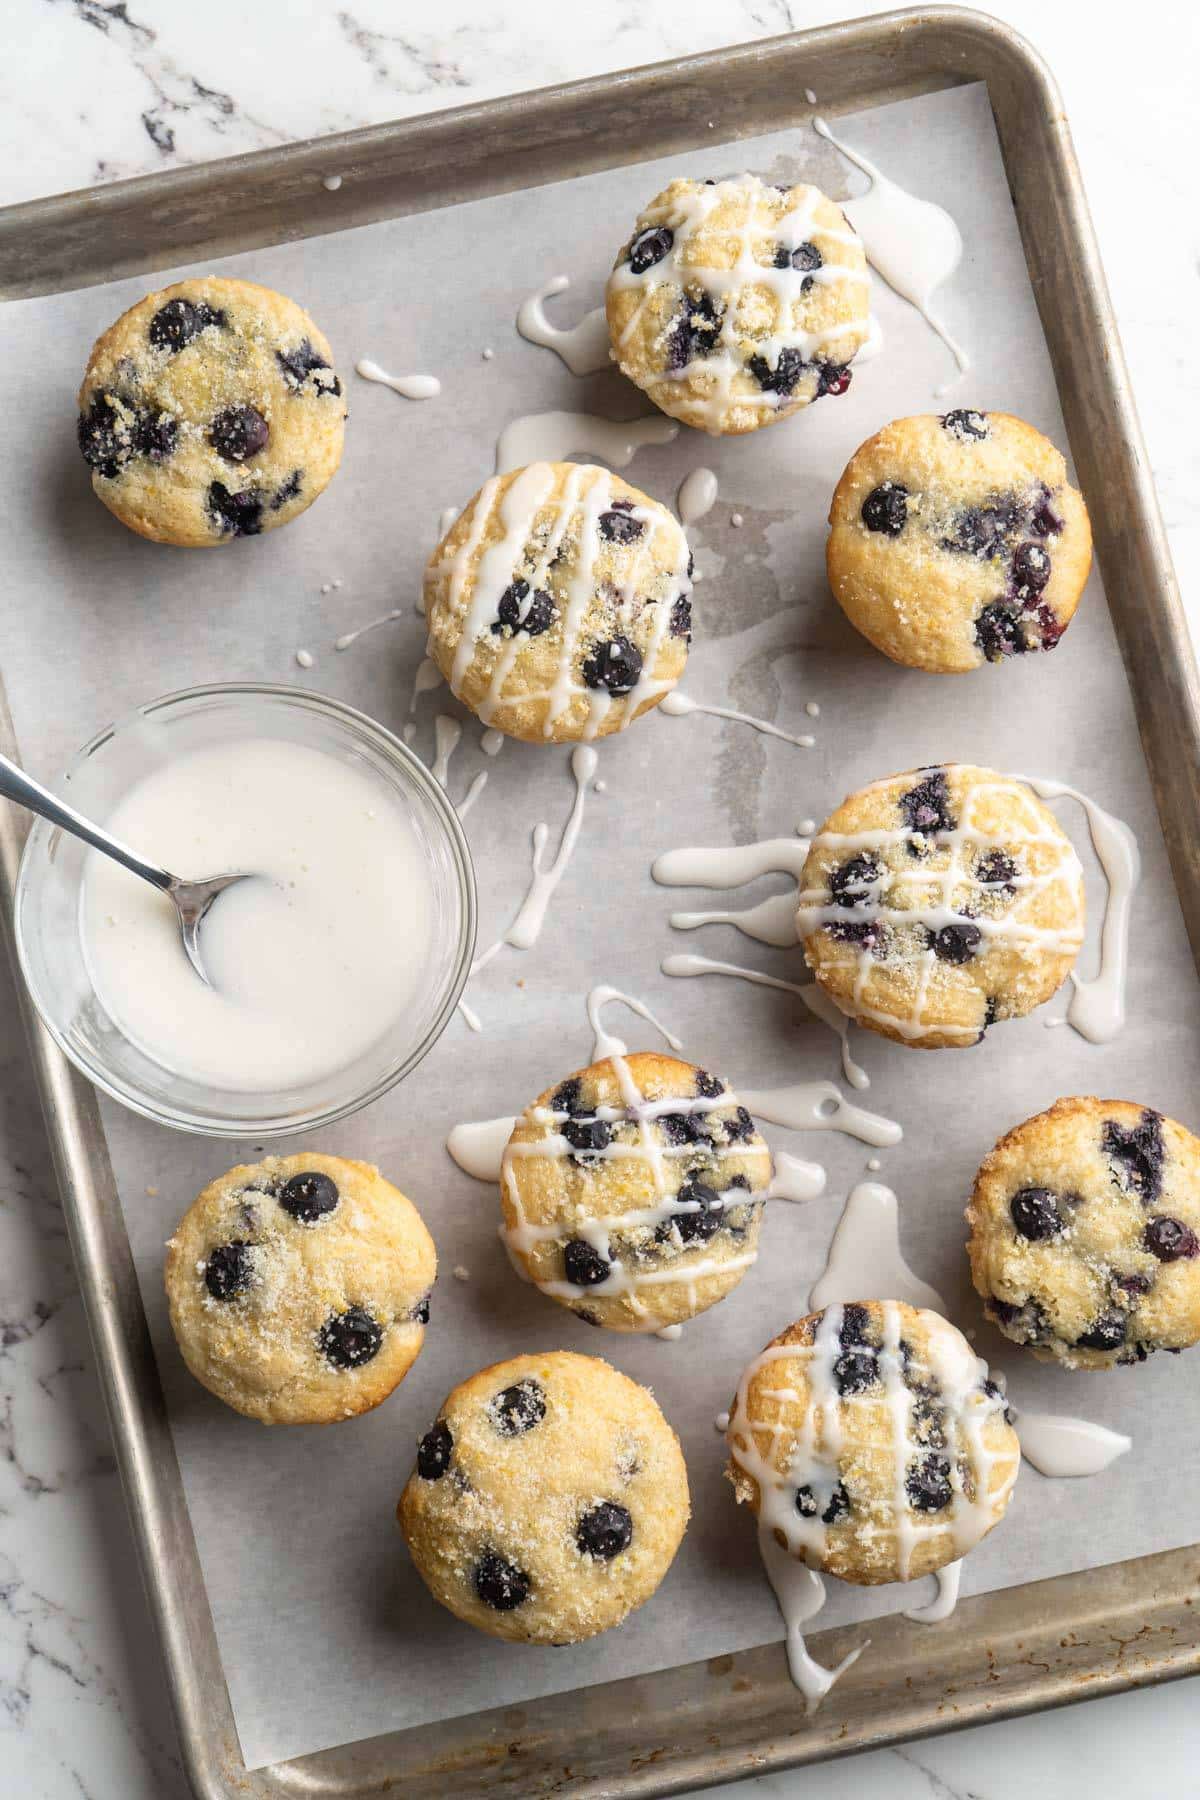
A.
pixel 332 183
pixel 914 244
pixel 584 348
pixel 557 436
pixel 587 494
pixel 721 1422
pixel 820 1106
pixel 819 1004
pixel 800 1593
pixel 478 1145
pixel 874 345
pixel 305 659
pixel 948 1579
pixel 795 1179
pixel 625 1280
pixel 1097 1006
pixel 427 677
pixel 670 1334
pixel 678 706
pixel 478 783
pixel 757 239
pixel 491 742
pixel 697 495
pixel 1059 1445
pixel 447 732
pixel 865 1261
pixel 816 907
pixel 772 921
pixel 603 1042
pixel 411 387
pixel 351 637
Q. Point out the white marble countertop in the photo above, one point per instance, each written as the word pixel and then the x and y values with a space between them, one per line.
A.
pixel 94 90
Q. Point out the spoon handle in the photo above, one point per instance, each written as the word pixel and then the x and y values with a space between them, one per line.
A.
pixel 16 785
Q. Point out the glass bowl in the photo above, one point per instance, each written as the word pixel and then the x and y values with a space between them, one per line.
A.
pixel 47 908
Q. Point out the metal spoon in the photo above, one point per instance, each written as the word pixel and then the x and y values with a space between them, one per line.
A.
pixel 191 899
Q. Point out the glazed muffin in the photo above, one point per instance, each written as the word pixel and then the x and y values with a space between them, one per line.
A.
pixel 871 1442
pixel 1085 1234
pixel 734 303
pixel 632 1192
pixel 211 411
pixel 957 540
pixel 548 1500
pixel 299 1288
pixel 935 902
pixel 558 603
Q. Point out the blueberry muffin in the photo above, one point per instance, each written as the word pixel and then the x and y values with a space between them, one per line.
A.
pixel 632 1192
pixel 548 1500
pixel 735 303
pixel 210 411
pixel 935 902
pixel 871 1442
pixel 558 603
pixel 957 540
pixel 299 1288
pixel 1085 1234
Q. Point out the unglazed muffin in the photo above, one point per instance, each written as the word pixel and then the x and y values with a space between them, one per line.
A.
pixel 632 1192
pixel 872 1443
pixel 1085 1234
pixel 210 411
pixel 558 603
pixel 299 1288
pixel 735 303
pixel 937 901
pixel 957 540
pixel 548 1500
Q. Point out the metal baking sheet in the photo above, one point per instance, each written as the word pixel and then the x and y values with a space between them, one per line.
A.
pixel 733 1712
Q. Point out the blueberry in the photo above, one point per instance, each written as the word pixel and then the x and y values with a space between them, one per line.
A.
pixel 155 435
pixel 499 1583
pixel 709 1087
pixel 955 943
pixel 680 625
pixel 619 526
pixel 1046 521
pixel 867 934
pixel 1035 1213
pixel 301 363
pixel 804 258
pixel 1136 1154
pixel 740 1128
pixel 1106 1333
pixel 996 869
pixel 1050 626
pixel 856 1322
pixel 565 1098
pixel 583 1264
pixel 1136 1284
pixel 649 247
pixel 178 322
pixel 239 433
pixel 513 615
pixel 228 1271
pixel 349 1339
pixel 837 1507
pixel 998 632
pixel 103 439
pixel 856 881
pixel 694 333
pixel 832 378
pixel 287 490
pixel 926 807
pixel 885 508
pixel 240 514
pixel 1025 1323
pixel 420 1312
pixel 308 1196
pixel 965 423
pixel 587 1137
pixel 1030 568
pixel 433 1452
pixel 927 1484
pixel 981 530
pixel 855 1369
pixel 683 1128
pixel 517 1409
pixel 604 1531
pixel 704 1223
pixel 615 665
pixel 1170 1239
pixel 781 379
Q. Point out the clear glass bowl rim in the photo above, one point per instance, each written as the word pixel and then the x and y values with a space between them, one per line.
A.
pixel 413 769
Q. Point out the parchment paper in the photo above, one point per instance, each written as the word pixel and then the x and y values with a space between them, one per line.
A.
pixel 326 1633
